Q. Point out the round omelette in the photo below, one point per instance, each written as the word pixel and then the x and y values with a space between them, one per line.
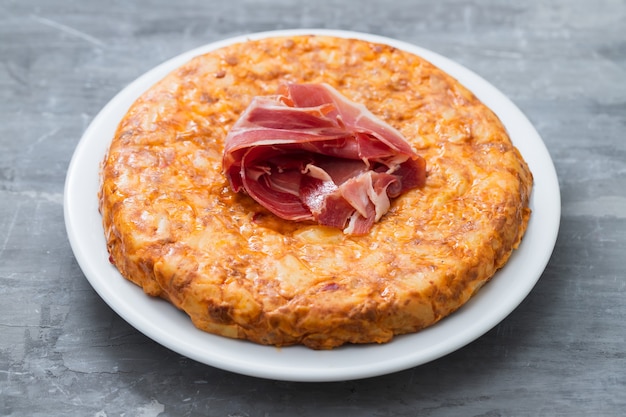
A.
pixel 175 227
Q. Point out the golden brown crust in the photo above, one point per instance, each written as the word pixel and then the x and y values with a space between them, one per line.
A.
pixel 175 228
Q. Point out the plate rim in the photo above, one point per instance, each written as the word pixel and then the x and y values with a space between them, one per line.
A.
pixel 91 259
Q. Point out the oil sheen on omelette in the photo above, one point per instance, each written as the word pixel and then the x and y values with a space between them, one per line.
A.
pixel 175 227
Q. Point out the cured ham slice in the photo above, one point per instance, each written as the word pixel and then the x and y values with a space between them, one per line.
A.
pixel 308 153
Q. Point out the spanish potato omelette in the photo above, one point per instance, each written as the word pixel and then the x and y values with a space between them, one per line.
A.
pixel 174 227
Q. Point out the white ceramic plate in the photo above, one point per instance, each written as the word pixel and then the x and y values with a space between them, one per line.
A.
pixel 173 329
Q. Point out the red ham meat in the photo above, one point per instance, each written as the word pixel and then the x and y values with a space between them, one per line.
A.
pixel 310 154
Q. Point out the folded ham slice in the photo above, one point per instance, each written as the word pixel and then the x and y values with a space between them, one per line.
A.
pixel 310 154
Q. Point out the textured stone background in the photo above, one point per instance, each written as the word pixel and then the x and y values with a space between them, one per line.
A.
pixel 562 352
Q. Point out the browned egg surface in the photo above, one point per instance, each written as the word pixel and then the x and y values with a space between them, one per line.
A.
pixel 175 228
